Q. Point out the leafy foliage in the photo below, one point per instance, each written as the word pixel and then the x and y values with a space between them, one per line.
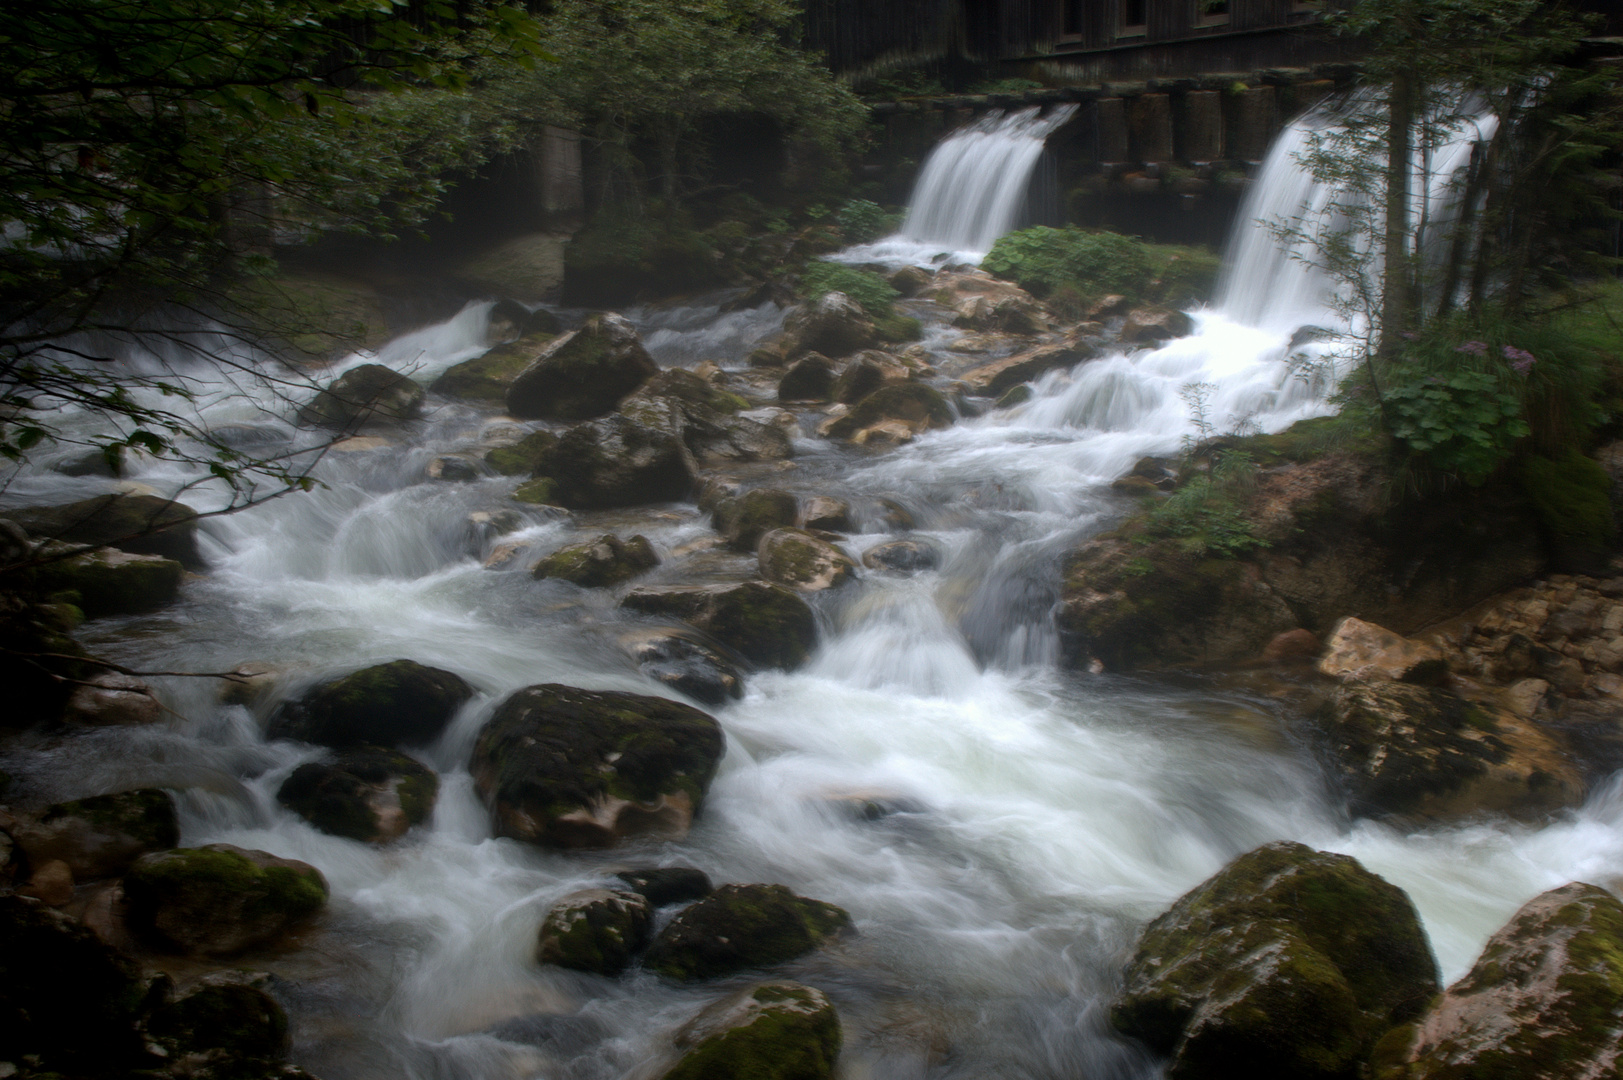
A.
pixel 867 288
pixel 1572 497
pixel 1463 422
pixel 862 221
pixel 1207 514
pixel 1049 262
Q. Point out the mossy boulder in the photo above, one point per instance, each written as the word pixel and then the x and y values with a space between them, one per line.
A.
pixel 743 519
pixel 768 625
pixel 834 325
pixel 774 1031
pixel 908 555
pixel 488 378
pixel 683 386
pixel 913 404
pixel 1288 962
pixel 237 1028
pixel 738 927
pixel 1001 376
pixel 686 663
pixel 582 374
pixel 219 900
pixel 522 457
pixel 809 379
pixel 617 461
pixel 401 702
pixel 370 392
pixel 705 420
pixel 867 372
pixel 826 513
pixel 102 835
pixel 108 581
pixel 662 885
pixel 1544 1001
pixel 601 563
pixel 595 930
pixel 65 995
pixel 571 768
pixel 367 793
pixel 1425 752
pixel 805 563
pixel 139 524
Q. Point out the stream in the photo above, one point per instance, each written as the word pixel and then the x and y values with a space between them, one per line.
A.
pixel 998 827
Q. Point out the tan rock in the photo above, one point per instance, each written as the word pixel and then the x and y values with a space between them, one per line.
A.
pixel 1524 697
pixel 111 699
pixel 1298 644
pixel 52 884
pixel 1361 650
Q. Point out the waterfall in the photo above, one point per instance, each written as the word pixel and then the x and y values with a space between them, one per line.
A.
pixel 973 185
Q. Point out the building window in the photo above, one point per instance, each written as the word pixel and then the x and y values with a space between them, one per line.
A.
pixel 1211 12
pixel 1134 18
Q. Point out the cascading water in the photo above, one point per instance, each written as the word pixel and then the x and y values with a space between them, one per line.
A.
pixel 1032 817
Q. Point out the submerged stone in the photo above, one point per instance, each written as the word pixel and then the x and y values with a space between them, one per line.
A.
pixel 601 563
pixel 667 884
pixel 595 930
pixel 766 624
pixel 565 767
pixel 582 374
pixel 685 663
pixel 368 794
pixel 739 927
pixel 617 461
pixel 774 1031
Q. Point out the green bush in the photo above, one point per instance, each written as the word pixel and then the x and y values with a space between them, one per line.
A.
pixel 1076 264
pixel 867 288
pixel 1207 515
pixel 862 221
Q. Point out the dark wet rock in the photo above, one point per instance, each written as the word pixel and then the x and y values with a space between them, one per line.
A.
pixel 805 563
pixel 108 699
pixel 370 392
pixel 524 456
pixel 667 884
pixel 108 581
pixel 582 374
pixel 401 702
pixel 452 469
pixel 826 513
pixel 690 391
pixel 235 1028
pixel 1544 1001
pixel 744 519
pixel 705 420
pixel 565 767
pixel 715 489
pixel 367 793
pixel 539 492
pixel 139 524
pixel 601 563
pixel 685 664
pixel 738 927
pixel 99 836
pixel 595 930
pixel 773 353
pixel 908 555
pixel 64 994
pixel 911 280
pixel 1421 751
pixel 768 625
pixel 1000 376
pixel 914 404
pixel 617 461
pixel 1014 395
pixel 809 379
pixel 1152 326
pixel 775 1031
pixel 488 378
pixel 219 900
pixel 1288 962
pixel 835 325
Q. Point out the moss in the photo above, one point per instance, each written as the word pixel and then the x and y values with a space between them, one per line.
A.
pixel 1571 496
pixel 207 879
pixel 542 491
pixel 1014 395
pixel 794 557
pixel 345 797
pixel 601 563
pixel 912 401
pixel 742 926
pixel 487 377
pixel 898 329
pixel 795 1036
pixel 112 583
pixel 598 931
pixel 748 517
pixel 147 815
pixel 522 458
pixel 382 705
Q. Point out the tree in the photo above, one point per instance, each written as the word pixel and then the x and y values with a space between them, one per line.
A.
pixel 149 150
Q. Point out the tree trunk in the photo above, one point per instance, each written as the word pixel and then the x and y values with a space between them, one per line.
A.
pixel 1396 314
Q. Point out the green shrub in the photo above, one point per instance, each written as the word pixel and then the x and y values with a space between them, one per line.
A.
pixel 1207 515
pixel 867 288
pixel 862 221
pixel 1076 265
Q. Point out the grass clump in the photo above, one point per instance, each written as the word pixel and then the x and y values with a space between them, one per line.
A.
pixel 867 288
pixel 1080 266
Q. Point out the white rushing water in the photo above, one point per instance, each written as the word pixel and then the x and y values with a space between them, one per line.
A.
pixel 1035 816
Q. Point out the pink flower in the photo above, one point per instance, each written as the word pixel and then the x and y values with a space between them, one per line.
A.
pixel 1520 359
pixel 1475 348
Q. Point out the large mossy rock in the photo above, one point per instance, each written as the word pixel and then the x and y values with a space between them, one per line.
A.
pixel 616 461
pixel 809 379
pixel 739 927
pixel 768 625
pixel 599 564
pixel 370 392
pixel 743 519
pixel 522 457
pixel 237 1029
pixel 488 378
pixel 705 420
pixel 139 524
pixel 582 374
pixel 100 836
pixel 1544 1001
pixel 595 930
pixel 774 1031
pixel 571 768
pixel 805 563
pixel 219 900
pixel 401 702
pixel 368 794
pixel 834 325
pixel 913 405
pixel 65 995
pixel 108 581
pixel 1289 962
pixel 1424 752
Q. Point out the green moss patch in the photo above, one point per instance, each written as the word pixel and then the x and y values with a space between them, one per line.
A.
pixel 739 927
